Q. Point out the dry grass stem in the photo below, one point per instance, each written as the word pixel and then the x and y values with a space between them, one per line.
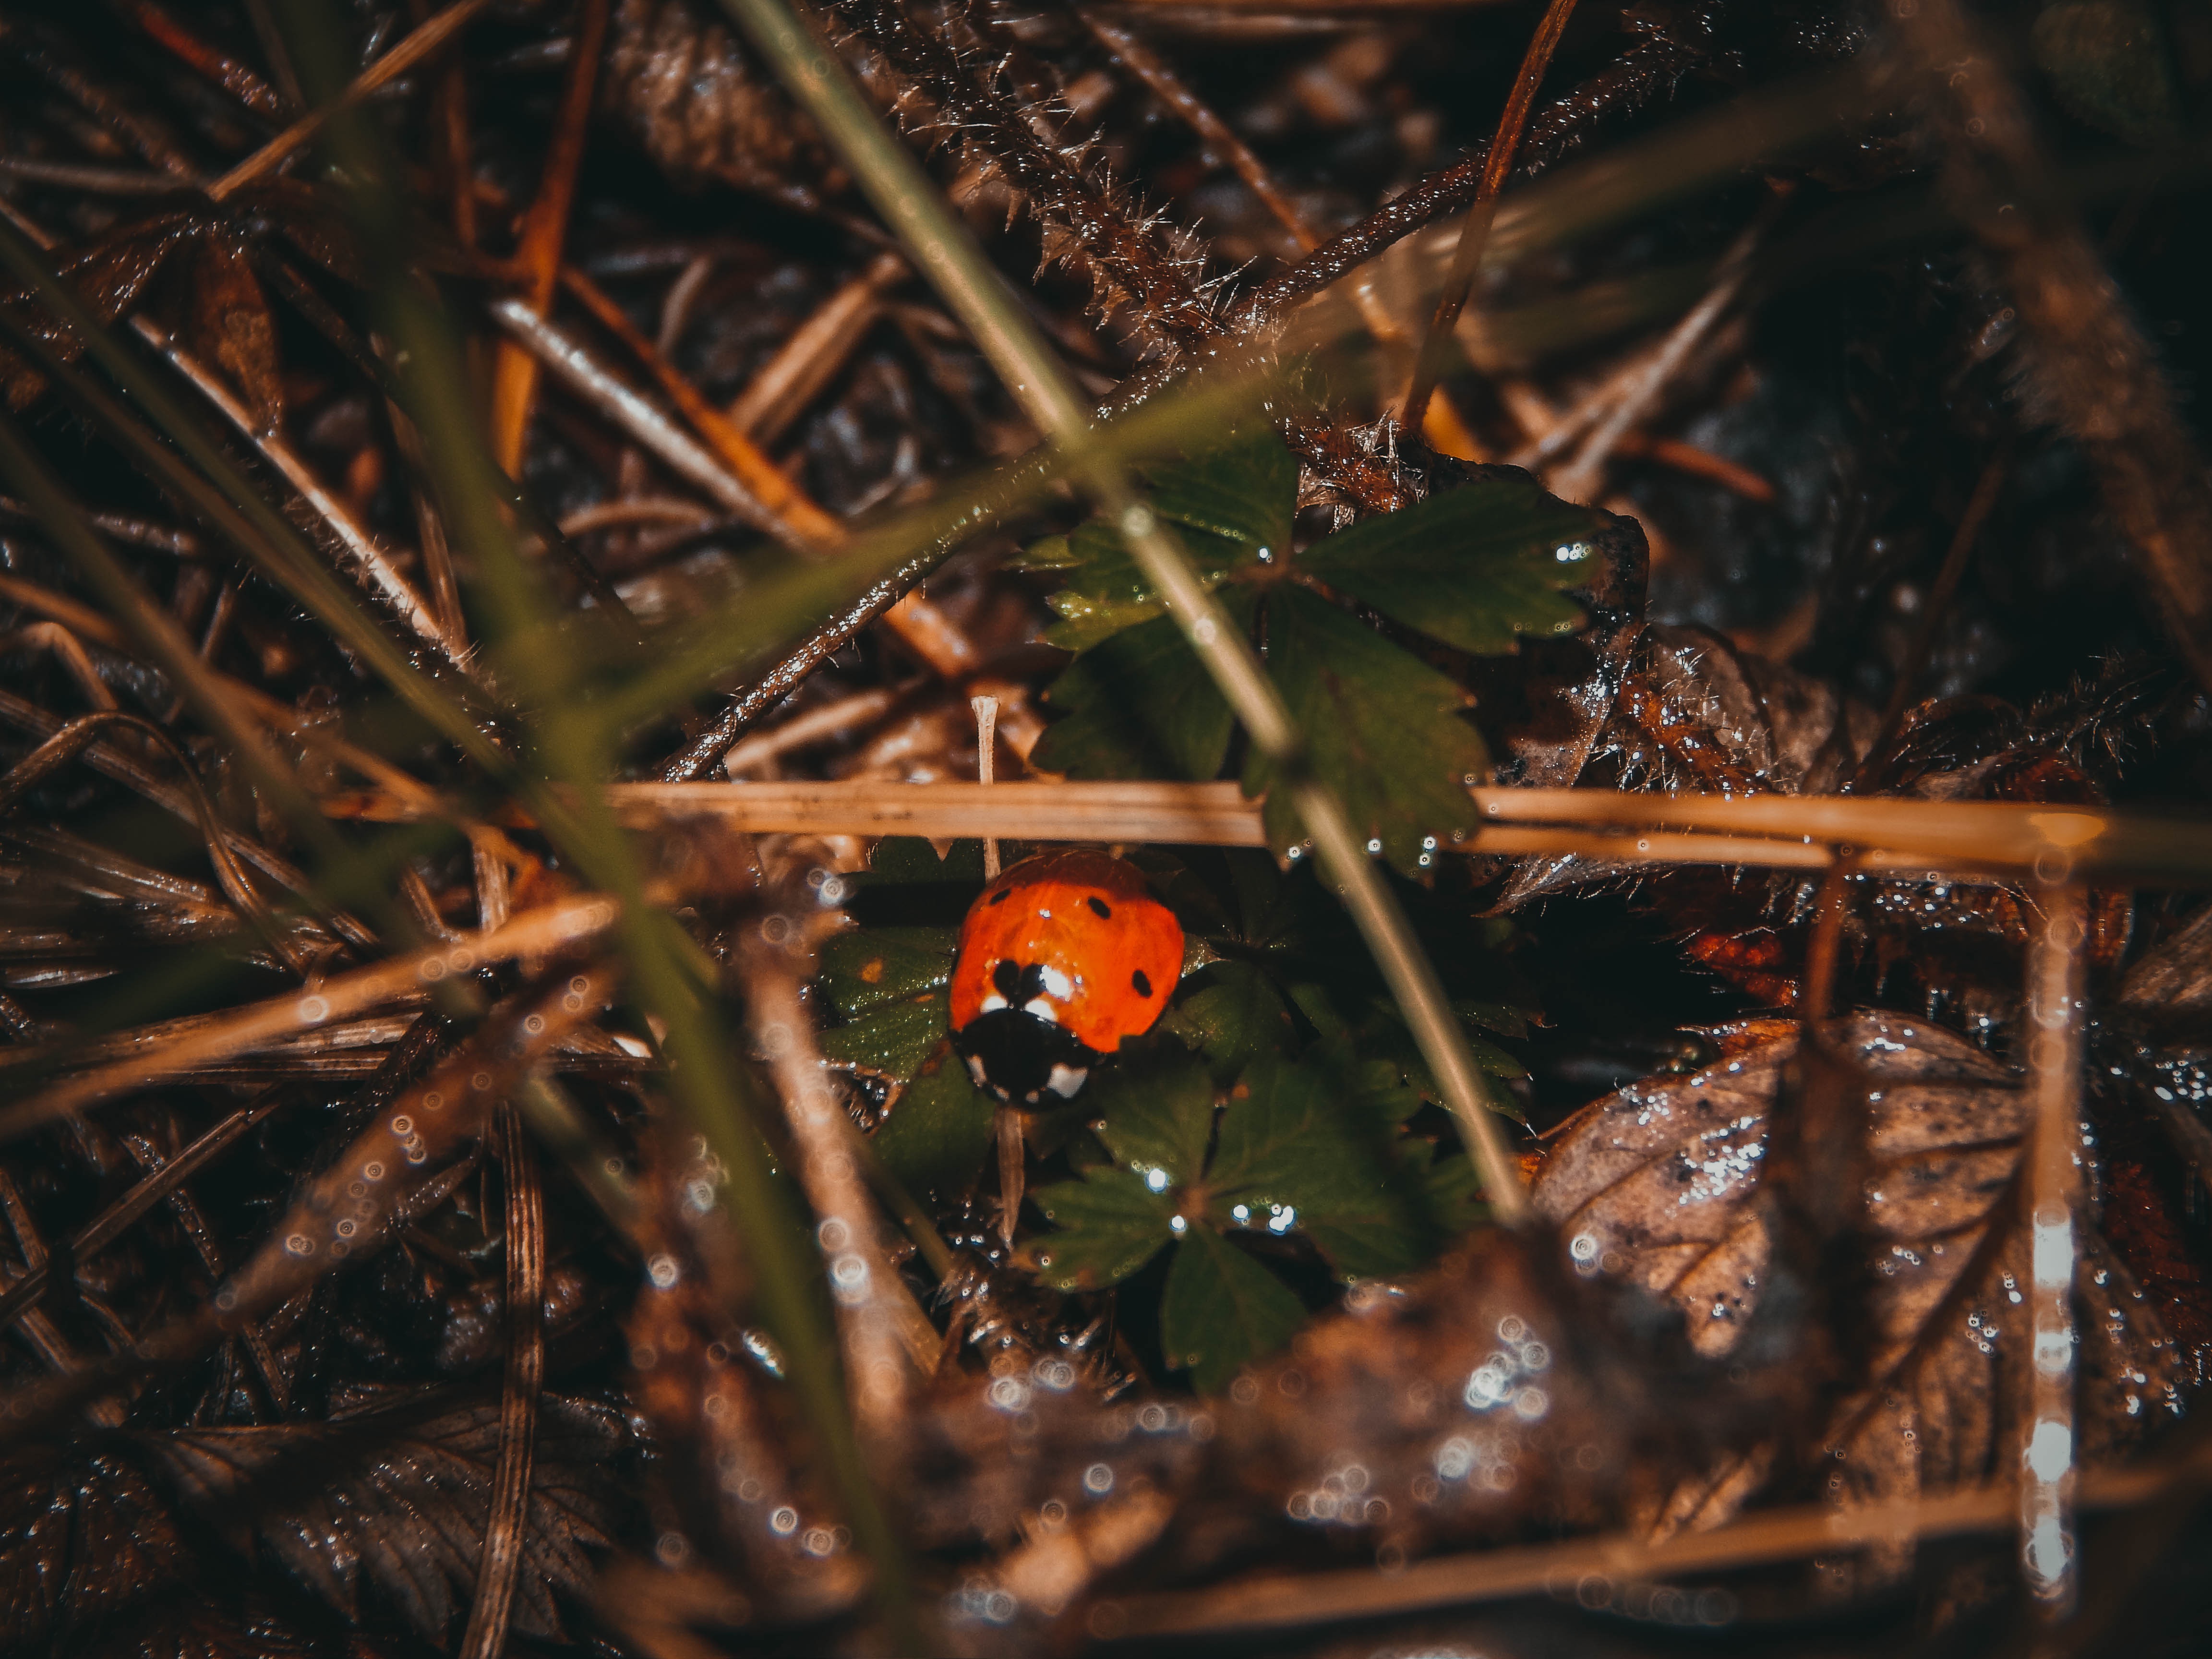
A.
pixel 158 1052
pixel 1620 1560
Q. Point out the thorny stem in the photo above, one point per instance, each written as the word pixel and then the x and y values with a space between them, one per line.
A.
pixel 1474 229
pixel 975 293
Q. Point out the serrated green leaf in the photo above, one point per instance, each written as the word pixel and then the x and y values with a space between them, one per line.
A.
pixel 1244 492
pixel 1295 1153
pixel 1377 1090
pixel 894 1038
pixel 1356 1015
pixel 1110 1224
pixel 1222 1311
pixel 1499 1017
pixel 868 967
pixel 1234 1018
pixel 911 860
pixel 1472 566
pixel 939 1129
pixel 1155 1108
pixel 1106 592
pixel 1140 706
pixel 1233 507
pixel 1383 729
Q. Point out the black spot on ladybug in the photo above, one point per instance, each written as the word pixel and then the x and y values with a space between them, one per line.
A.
pixel 1099 906
pixel 1016 983
pixel 1144 986
pixel 1001 896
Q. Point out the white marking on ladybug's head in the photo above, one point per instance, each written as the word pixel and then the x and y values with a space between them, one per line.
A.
pixel 975 1070
pixel 1056 984
pixel 1066 1080
pixel 1044 1009
pixel 993 1003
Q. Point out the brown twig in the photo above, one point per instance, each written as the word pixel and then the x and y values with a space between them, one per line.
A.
pixel 449 116
pixel 1646 69
pixel 106 1227
pixel 1475 230
pixel 701 756
pixel 762 477
pixel 806 363
pixel 1579 479
pixel 418 45
pixel 371 565
pixel 1277 1602
pixel 515 371
pixel 877 1318
pixel 506 1525
pixel 815 725
pixel 211 66
pixel 535 933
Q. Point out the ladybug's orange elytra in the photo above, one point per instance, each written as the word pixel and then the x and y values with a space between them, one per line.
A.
pixel 1060 957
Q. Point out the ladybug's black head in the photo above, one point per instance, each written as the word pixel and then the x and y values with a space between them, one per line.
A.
pixel 1021 1058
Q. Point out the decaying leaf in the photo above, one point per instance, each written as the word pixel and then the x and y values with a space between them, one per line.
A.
pixel 1663 1185
pixel 228 323
pixel 396 1502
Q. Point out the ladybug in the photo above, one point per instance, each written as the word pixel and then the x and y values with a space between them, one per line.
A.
pixel 1060 957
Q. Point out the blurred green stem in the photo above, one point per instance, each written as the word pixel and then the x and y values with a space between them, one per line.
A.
pixel 570 743
pixel 972 288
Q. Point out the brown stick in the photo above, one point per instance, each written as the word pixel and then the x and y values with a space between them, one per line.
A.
pixel 1474 229
pixel 760 475
pixel 515 371
pixel 817 349
pixel 418 45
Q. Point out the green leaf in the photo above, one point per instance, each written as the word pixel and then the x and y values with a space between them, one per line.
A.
pixel 1296 1153
pixel 1472 566
pixel 1245 492
pixel 1234 506
pixel 1222 1311
pixel 1111 1223
pixel 911 860
pixel 869 966
pixel 1381 729
pixel 1156 1108
pixel 1141 705
pixel 1377 1090
pixel 939 1129
pixel 1234 1017
pixel 894 1038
